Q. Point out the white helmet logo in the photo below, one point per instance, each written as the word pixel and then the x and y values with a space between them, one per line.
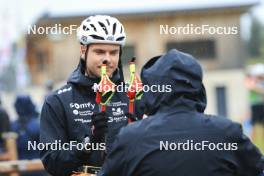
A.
pixel 84 38
pixel 111 38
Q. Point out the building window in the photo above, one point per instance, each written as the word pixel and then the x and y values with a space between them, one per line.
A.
pixel 41 60
pixel 221 101
pixel 202 49
pixel 128 53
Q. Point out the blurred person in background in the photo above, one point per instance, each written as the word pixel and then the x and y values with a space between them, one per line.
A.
pixel 27 128
pixel 255 83
pixel 4 127
pixel 72 113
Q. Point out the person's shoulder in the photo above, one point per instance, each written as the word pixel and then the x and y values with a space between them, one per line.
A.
pixel 221 121
pixel 224 125
pixel 64 90
pixel 58 93
pixel 136 129
pixel 55 103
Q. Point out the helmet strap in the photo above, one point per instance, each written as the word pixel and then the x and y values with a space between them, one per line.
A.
pixel 85 59
pixel 120 65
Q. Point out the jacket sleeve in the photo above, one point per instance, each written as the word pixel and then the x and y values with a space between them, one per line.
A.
pixel 138 109
pixel 53 129
pixel 249 158
pixel 115 163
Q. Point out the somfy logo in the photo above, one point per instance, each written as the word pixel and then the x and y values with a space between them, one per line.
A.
pixel 82 106
pixel 83 109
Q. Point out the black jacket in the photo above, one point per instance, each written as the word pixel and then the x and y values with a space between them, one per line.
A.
pixel 152 146
pixel 4 126
pixel 66 116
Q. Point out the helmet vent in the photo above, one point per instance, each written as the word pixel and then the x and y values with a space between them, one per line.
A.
pixel 103 27
pixel 97 37
pixel 114 29
pixel 93 27
pixel 85 28
pixel 120 38
pixel 108 22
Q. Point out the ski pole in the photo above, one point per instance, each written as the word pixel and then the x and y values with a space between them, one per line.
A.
pixel 105 92
pixel 135 89
pixel 106 89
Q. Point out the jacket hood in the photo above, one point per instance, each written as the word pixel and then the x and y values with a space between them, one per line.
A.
pixel 182 75
pixel 78 76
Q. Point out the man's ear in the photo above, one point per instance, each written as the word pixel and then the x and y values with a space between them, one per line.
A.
pixel 82 50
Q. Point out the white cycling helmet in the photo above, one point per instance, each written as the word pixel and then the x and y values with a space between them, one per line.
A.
pixel 256 70
pixel 101 29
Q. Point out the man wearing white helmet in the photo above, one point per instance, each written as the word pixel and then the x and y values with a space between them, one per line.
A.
pixel 255 84
pixel 72 114
pixel 105 33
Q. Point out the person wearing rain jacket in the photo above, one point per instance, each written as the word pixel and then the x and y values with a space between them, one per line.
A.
pixel 26 126
pixel 177 138
pixel 71 116
pixel 4 127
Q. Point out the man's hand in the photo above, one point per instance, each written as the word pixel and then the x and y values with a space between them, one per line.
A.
pixel 131 117
pixel 100 127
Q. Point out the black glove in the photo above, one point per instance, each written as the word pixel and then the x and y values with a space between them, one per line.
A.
pixel 100 127
pixel 131 117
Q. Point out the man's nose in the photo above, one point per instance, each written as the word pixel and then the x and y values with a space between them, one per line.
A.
pixel 106 58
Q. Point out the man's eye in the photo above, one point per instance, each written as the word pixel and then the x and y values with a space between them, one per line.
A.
pixel 114 53
pixel 99 52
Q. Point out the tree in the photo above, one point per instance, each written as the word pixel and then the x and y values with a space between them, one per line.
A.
pixel 255 40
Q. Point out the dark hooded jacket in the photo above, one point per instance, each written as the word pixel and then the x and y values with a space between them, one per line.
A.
pixel 163 144
pixel 66 117
pixel 26 126
pixel 4 126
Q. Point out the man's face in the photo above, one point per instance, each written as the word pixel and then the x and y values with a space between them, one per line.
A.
pixel 97 53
